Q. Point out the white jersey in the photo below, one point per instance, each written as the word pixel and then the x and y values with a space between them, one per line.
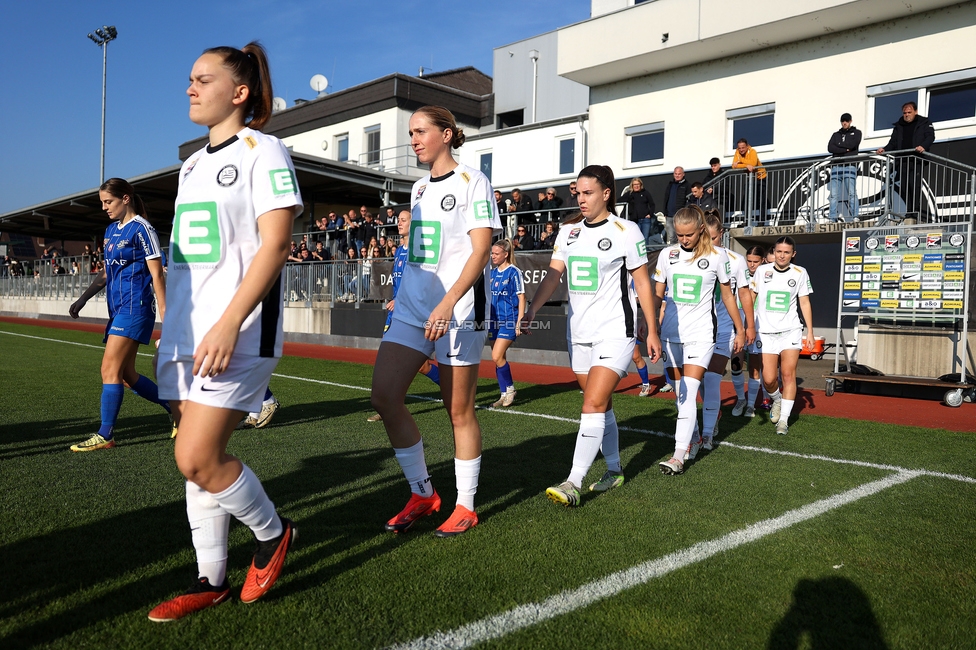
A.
pixel 777 297
pixel 598 258
pixel 444 210
pixel 222 192
pixel 691 283
pixel 738 279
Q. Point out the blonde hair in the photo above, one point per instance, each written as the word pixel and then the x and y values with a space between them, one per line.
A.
pixel 692 214
pixel 506 245
pixel 638 181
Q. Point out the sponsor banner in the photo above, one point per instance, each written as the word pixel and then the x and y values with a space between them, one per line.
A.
pixel 954 286
pixel 952 304
pixel 955 275
pixel 870 304
pixel 871 277
pixel 909 295
pixel 907 304
pixel 853 259
pixel 911 286
pixel 889 304
pixel 852 277
pixel 852 268
pixel 870 286
pixel 872 259
pixel 912 257
pixel 932 286
pixel 931 295
pixel 872 268
pixel 932 266
pixel 889 295
pixel 852 295
pixel 930 304
pixel 852 285
pixel 870 295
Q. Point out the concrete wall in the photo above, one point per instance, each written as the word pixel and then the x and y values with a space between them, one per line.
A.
pixel 393 129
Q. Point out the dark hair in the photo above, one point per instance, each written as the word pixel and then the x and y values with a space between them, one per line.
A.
pixel 714 161
pixel 712 220
pixel 604 176
pixel 785 239
pixel 443 119
pixel 696 184
pixel 756 250
pixel 249 67
pixel 912 104
pixel 741 140
pixel 120 188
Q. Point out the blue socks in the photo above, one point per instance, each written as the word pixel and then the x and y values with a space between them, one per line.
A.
pixel 267 395
pixel 145 389
pixel 504 375
pixel 434 374
pixel 111 403
pixel 643 375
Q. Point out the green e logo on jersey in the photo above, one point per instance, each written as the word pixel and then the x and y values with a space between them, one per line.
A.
pixel 282 181
pixel 481 210
pixel 425 242
pixel 686 288
pixel 778 301
pixel 584 274
pixel 196 233
pixel 642 248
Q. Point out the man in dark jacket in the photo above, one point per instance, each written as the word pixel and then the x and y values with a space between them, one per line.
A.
pixel 912 131
pixel 675 198
pixel 843 177
pixel 521 204
pixel 701 199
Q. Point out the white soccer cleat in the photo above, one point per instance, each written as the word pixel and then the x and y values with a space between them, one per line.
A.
pixel 775 410
pixel 739 407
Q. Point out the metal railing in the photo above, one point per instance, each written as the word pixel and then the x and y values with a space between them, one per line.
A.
pixel 46 286
pixel 339 281
pixel 398 160
pixel 896 187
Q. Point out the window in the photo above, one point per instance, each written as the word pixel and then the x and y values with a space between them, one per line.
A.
pixel 509 119
pixel 372 144
pixel 952 103
pixel 567 155
pixel 485 166
pixel 645 143
pixel 754 123
pixel 342 147
pixel 887 108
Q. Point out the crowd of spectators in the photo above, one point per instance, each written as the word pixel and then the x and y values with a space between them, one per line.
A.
pixel 54 261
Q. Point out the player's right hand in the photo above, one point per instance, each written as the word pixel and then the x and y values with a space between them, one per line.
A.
pixel 76 308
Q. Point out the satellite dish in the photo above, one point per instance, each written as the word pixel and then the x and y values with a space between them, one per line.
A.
pixel 278 105
pixel 319 83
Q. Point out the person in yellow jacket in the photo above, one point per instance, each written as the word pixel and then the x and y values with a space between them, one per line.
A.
pixel 747 158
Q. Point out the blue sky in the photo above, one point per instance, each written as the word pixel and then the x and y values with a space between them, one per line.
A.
pixel 51 76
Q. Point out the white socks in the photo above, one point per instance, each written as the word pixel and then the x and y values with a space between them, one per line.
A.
pixel 208 529
pixel 414 468
pixel 712 401
pixel 687 415
pixel 786 407
pixel 248 502
pixel 588 441
pixel 610 448
pixel 466 473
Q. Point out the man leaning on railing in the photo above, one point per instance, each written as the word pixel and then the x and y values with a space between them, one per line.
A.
pixel 914 133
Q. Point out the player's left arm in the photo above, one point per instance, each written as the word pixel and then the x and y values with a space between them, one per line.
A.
pixel 728 299
pixel 646 295
pixel 807 312
pixel 748 308
pixel 214 353
pixel 155 266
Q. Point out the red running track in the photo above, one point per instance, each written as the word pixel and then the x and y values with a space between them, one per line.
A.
pixel 890 410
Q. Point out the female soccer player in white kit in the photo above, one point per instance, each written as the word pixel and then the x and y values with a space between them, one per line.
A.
pixel 689 271
pixel 600 254
pixel 712 393
pixel 222 335
pixel 780 288
pixel 441 308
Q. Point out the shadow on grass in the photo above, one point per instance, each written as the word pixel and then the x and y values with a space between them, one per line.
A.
pixel 53 436
pixel 826 614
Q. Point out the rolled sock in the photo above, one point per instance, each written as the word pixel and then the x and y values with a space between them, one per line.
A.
pixel 208 529
pixel 507 374
pixel 588 441
pixel 112 395
pixel 434 374
pixel 466 473
pixel 786 408
pixel 687 415
pixel 146 389
pixel 250 505
pixel 414 468
pixel 712 401
pixel 776 395
pixel 611 442
pixel 739 383
pixel 643 375
pixel 753 390
pixel 268 395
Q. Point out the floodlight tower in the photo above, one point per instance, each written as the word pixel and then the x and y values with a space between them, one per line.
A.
pixel 101 38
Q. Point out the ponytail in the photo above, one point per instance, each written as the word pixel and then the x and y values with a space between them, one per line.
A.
pixel 249 67
pixel 693 214
pixel 121 188
pixel 443 119
pixel 506 245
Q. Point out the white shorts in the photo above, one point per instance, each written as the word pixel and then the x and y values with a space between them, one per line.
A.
pixel 239 388
pixel 456 348
pixel 774 343
pixel 724 343
pixel 756 347
pixel 615 354
pixel 677 355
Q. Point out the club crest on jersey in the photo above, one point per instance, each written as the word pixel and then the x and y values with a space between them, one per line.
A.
pixel 703 264
pixel 110 247
pixel 604 244
pixel 673 256
pixel 420 192
pixel 227 176
pixel 448 203
pixel 792 283
pixel 768 276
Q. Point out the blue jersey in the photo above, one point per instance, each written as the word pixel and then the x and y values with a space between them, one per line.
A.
pixel 129 285
pixel 505 289
pixel 399 261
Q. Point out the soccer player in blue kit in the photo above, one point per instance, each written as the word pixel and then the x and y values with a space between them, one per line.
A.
pixel 135 287
pixel 507 309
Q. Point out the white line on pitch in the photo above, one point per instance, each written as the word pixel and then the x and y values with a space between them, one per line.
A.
pixel 524 616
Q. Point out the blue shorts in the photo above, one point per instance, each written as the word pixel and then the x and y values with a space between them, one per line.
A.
pixel 138 327
pixel 501 333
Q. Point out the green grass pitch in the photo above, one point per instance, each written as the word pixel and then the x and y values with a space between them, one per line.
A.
pixel 91 542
